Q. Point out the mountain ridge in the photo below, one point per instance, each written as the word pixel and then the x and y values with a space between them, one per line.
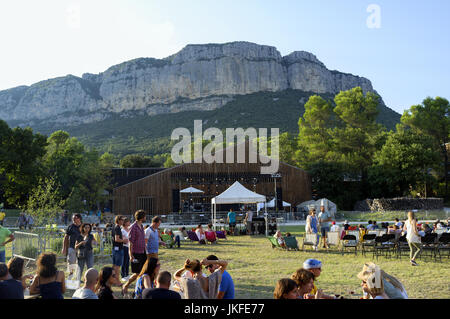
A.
pixel 198 71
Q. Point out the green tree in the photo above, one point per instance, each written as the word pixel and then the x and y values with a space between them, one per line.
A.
pixel 314 139
pixel 357 137
pixel 432 118
pixel 21 153
pixel 138 161
pixel 406 159
pixel 45 201
pixel 81 173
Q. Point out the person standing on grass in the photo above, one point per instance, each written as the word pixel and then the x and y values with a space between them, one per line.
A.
pixel 311 226
pixel 248 220
pixel 153 242
pixel 4 233
pixel 2 217
pixel 118 241
pixel 87 291
pixel 71 236
pixel 226 288
pixel 125 270
pixel 324 222
pixel 138 257
pixel 162 288
pixel 85 253
pixel 231 218
pixel 413 237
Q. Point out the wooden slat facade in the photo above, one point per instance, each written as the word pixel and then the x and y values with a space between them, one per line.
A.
pixel 213 179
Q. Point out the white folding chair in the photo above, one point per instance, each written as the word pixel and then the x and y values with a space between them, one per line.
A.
pixel 333 238
pixel 310 240
pixel 179 233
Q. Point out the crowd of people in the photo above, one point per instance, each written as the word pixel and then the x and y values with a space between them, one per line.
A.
pixel 320 226
pixel 375 284
pixel 136 246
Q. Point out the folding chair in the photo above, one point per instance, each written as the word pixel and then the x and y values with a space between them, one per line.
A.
pixel 384 243
pixel 310 240
pixel 192 236
pixel 333 239
pixel 402 245
pixel 349 241
pixel 368 241
pixel 221 234
pixel 274 242
pixel 429 244
pixel 443 244
pixel 390 242
pixel 291 242
pixel 211 236
pixel 180 234
pixel 167 239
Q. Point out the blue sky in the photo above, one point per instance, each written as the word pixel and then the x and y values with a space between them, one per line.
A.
pixel 406 58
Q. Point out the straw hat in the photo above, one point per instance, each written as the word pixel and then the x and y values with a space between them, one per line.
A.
pixel 371 274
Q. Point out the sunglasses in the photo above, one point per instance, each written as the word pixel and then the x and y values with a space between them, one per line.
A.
pixel 209 266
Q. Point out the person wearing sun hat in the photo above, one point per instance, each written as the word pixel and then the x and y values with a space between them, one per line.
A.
pixel 380 285
pixel 315 267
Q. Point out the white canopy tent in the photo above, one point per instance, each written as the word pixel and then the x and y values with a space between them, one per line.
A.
pixel 329 205
pixel 191 190
pixel 235 194
pixel 271 204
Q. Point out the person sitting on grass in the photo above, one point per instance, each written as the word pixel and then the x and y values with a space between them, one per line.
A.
pixel 176 239
pixel 377 284
pixel 108 277
pixel 162 288
pixel 305 283
pixel 87 291
pixel 286 289
pixel 9 287
pixel 183 232
pixel 147 276
pixel 315 267
pixel 200 234
pixel 201 287
pixel 49 282
pixel 15 268
pixel 280 239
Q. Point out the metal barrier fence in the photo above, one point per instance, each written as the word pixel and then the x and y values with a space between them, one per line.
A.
pixel 30 245
pixel 26 245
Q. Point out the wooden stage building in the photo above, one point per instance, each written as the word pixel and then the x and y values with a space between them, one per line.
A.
pixel 159 193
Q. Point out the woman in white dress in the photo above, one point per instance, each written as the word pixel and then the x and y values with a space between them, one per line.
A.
pixel 413 238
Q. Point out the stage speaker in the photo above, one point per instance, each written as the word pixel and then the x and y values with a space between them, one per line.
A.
pixel 279 198
pixel 175 200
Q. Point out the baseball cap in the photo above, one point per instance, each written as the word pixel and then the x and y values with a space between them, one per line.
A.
pixel 312 263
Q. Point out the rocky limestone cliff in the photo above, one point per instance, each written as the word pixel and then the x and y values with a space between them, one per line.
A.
pixel 199 77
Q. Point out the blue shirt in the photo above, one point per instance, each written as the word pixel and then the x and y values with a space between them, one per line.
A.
pixel 227 286
pixel 232 217
pixel 153 241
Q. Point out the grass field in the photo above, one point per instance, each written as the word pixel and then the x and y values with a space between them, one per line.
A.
pixel 255 267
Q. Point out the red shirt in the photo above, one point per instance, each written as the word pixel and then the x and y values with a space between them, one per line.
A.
pixel 137 239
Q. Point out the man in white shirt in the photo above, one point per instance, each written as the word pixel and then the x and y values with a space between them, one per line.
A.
pixel 87 291
pixel 334 227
